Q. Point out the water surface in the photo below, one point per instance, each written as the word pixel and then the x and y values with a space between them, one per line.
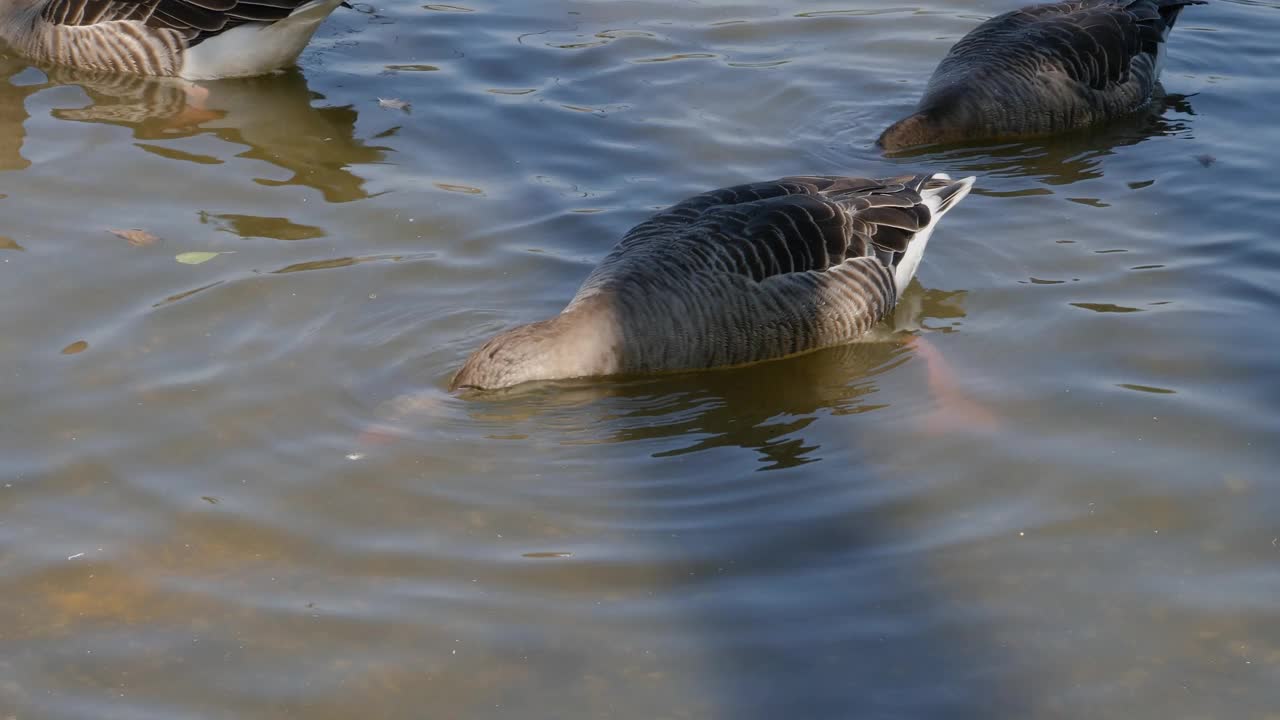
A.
pixel 238 489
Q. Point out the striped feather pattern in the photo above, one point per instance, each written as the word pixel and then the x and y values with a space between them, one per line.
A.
pixel 733 276
pixel 145 37
pixel 196 20
pixel 120 46
pixel 1043 69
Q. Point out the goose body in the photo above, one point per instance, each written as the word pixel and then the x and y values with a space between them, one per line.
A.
pixel 1043 69
pixel 191 39
pixel 733 276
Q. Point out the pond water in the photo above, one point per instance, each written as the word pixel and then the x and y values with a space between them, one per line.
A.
pixel 239 489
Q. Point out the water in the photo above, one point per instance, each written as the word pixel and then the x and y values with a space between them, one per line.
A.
pixel 237 489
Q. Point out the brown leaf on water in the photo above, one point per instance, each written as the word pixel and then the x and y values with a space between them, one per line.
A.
pixel 9 244
pixel 136 237
pixel 78 346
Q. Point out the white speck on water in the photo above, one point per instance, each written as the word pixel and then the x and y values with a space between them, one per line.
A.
pixel 355 456
pixel 77 555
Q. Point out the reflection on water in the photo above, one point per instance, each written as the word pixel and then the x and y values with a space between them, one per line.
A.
pixel 13 111
pixel 267 227
pixel 272 115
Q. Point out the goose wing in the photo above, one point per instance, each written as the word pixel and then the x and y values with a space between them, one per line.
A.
pixel 791 225
pixel 197 20
pixel 1093 42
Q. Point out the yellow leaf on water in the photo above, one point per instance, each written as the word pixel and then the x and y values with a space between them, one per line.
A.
pixel 136 237
pixel 195 258
pixel 78 346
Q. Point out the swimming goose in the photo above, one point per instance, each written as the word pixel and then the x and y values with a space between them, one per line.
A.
pixel 733 276
pixel 192 39
pixel 1043 69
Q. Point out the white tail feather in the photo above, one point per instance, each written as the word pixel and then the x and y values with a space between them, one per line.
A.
pixel 256 48
pixel 939 200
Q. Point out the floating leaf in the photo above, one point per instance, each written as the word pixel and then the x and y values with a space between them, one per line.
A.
pixel 78 346
pixel 1147 389
pixel 1106 307
pixel 136 237
pixel 467 189
pixel 393 104
pixel 9 244
pixel 195 258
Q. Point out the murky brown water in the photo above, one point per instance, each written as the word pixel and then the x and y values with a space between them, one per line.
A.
pixel 237 489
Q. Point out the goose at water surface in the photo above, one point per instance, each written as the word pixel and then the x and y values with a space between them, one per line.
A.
pixel 191 39
pixel 733 276
pixel 1043 69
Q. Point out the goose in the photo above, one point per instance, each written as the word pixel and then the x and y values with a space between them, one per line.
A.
pixel 189 39
pixel 730 277
pixel 1043 69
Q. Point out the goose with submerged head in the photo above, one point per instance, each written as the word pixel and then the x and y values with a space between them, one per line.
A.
pixel 1041 70
pixel 733 276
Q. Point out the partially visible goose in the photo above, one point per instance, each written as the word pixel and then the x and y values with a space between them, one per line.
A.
pixel 733 276
pixel 192 39
pixel 1043 69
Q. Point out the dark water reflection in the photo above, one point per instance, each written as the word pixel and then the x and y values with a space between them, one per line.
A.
pixel 238 489
pixel 13 112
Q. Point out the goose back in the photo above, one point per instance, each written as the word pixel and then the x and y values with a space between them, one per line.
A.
pixel 733 276
pixel 1043 69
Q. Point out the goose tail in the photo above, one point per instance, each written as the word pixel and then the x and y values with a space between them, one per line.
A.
pixel 940 194
pixel 1169 11
pixel 256 48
